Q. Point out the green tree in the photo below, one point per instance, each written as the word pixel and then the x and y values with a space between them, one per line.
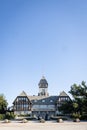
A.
pixel 3 104
pixel 79 93
pixel 66 107
pixel 78 106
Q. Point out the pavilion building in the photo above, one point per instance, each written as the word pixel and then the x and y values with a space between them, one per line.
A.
pixel 41 104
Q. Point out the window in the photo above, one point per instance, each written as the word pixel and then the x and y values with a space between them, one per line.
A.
pixel 51 100
pixel 43 100
pixel 35 100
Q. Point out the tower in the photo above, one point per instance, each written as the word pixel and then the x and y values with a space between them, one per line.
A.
pixel 43 87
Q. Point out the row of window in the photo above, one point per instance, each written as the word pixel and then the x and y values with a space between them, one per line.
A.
pixel 43 100
pixel 22 99
pixel 63 99
pixel 21 107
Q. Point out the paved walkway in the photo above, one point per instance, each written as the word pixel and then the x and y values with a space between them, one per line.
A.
pixel 43 126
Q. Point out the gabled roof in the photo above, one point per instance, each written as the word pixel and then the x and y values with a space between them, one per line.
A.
pixel 23 94
pixel 48 100
pixel 63 94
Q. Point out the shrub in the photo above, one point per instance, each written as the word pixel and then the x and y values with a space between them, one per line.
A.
pixel 2 116
pixel 9 115
pixel 84 117
pixel 76 115
pixel 23 115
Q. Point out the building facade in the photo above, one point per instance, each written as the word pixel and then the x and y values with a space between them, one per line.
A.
pixel 39 105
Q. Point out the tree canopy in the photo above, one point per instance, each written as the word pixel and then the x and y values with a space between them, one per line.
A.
pixel 3 104
pixel 79 93
pixel 78 105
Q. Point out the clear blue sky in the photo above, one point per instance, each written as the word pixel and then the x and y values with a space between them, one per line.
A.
pixel 42 37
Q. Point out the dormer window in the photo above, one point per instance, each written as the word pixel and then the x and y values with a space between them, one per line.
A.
pixel 43 100
pixel 35 100
pixel 51 100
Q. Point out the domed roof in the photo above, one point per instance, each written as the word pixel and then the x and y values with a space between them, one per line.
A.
pixel 43 83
